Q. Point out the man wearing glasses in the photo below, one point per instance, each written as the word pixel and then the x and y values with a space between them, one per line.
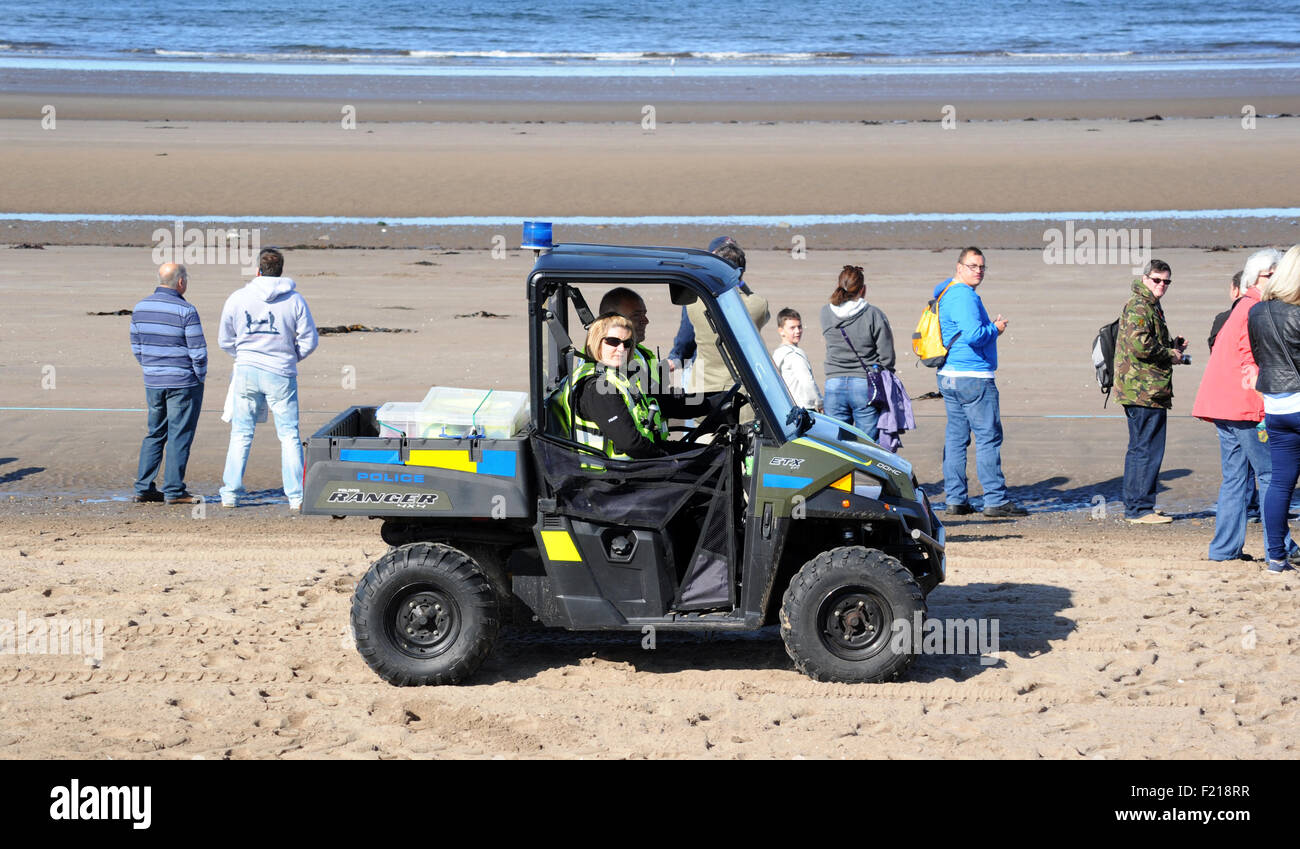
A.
pixel 970 395
pixel 1144 384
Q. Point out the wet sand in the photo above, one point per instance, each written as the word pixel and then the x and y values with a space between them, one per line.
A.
pixel 1044 370
pixel 1120 91
pixel 515 171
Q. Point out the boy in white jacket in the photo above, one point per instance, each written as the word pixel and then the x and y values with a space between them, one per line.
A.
pixel 793 363
pixel 267 327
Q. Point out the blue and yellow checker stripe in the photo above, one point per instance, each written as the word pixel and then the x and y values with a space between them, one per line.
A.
pixel 499 463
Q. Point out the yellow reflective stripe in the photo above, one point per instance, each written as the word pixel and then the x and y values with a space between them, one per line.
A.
pixel 559 547
pixel 808 443
pixel 455 460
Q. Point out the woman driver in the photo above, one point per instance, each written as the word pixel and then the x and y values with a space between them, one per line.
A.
pixel 610 412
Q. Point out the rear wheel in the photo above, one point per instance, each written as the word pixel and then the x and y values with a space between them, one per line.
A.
pixel 843 616
pixel 425 614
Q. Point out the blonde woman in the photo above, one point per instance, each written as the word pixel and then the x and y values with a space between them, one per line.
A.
pixel 611 414
pixel 1274 329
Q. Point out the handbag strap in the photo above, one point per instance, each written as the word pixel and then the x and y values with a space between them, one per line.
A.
pixel 861 361
pixel 1280 341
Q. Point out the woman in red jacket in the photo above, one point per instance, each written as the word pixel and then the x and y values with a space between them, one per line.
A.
pixel 1227 400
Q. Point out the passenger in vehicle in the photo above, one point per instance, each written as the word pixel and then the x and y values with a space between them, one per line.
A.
pixel 643 365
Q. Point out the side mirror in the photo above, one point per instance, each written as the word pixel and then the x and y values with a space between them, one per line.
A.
pixel 800 418
pixel 680 295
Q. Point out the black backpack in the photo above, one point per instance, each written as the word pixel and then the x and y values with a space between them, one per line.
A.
pixel 1103 357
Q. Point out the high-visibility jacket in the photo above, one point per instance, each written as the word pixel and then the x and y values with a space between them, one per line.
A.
pixel 647 376
pixel 643 408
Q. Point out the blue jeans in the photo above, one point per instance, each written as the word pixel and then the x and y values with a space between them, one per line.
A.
pixel 255 389
pixel 846 400
pixel 973 409
pixel 1284 452
pixel 173 418
pixel 1242 453
pixel 1146 451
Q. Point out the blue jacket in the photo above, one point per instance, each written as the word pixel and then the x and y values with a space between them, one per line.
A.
pixel 976 349
pixel 167 340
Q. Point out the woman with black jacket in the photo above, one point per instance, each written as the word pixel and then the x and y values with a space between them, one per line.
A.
pixel 1274 328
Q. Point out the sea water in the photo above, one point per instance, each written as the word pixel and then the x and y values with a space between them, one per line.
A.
pixel 689 38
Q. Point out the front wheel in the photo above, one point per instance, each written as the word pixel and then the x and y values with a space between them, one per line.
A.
pixel 847 616
pixel 425 614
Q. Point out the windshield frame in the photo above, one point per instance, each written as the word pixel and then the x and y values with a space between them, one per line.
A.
pixel 764 380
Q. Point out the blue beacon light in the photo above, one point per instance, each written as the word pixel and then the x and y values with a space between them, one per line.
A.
pixel 537 236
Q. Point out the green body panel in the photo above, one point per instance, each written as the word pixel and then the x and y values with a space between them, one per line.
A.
pixel 803 467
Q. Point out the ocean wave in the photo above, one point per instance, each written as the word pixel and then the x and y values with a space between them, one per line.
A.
pixel 27 45
pixel 336 50
pixel 1114 54
pixel 322 59
pixel 302 52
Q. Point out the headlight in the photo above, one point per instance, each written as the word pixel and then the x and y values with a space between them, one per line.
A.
pixel 859 483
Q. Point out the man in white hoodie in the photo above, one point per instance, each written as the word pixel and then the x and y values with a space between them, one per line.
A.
pixel 267 327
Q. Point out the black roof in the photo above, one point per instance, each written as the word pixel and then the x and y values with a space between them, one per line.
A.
pixel 714 274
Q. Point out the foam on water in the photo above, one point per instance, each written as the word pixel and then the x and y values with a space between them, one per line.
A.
pixel 259 64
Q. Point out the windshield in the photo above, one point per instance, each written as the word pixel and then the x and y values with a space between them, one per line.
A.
pixel 753 351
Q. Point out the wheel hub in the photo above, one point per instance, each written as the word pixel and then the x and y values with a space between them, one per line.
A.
pixel 425 623
pixel 854 622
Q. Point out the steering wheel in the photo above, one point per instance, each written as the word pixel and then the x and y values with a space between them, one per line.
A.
pixel 710 422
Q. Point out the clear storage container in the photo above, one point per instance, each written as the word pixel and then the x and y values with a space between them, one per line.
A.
pixel 398 418
pixel 450 412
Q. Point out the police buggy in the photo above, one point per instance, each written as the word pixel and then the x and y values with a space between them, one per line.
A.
pixel 780 515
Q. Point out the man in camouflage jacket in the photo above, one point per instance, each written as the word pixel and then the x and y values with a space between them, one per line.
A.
pixel 1144 384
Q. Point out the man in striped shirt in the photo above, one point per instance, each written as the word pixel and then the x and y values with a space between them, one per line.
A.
pixel 167 340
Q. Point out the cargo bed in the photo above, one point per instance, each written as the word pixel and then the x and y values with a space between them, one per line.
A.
pixel 350 470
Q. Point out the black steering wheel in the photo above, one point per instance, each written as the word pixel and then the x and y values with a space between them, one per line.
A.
pixel 710 422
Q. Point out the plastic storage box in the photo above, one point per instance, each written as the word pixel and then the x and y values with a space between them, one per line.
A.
pixel 398 418
pixel 450 412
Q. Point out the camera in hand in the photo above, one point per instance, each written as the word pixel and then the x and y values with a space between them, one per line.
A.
pixel 1180 342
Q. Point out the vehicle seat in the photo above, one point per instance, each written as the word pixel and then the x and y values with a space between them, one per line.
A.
pixel 557 412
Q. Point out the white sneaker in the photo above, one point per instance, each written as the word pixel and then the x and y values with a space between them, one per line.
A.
pixel 295 506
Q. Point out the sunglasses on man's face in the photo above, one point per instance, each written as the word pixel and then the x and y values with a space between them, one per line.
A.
pixel 614 342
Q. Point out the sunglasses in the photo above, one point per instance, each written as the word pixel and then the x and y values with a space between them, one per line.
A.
pixel 614 342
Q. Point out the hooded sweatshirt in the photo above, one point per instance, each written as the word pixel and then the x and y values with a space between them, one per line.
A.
pixel 267 325
pixel 868 330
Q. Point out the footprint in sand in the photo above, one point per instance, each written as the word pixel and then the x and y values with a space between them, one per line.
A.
pixel 325 698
